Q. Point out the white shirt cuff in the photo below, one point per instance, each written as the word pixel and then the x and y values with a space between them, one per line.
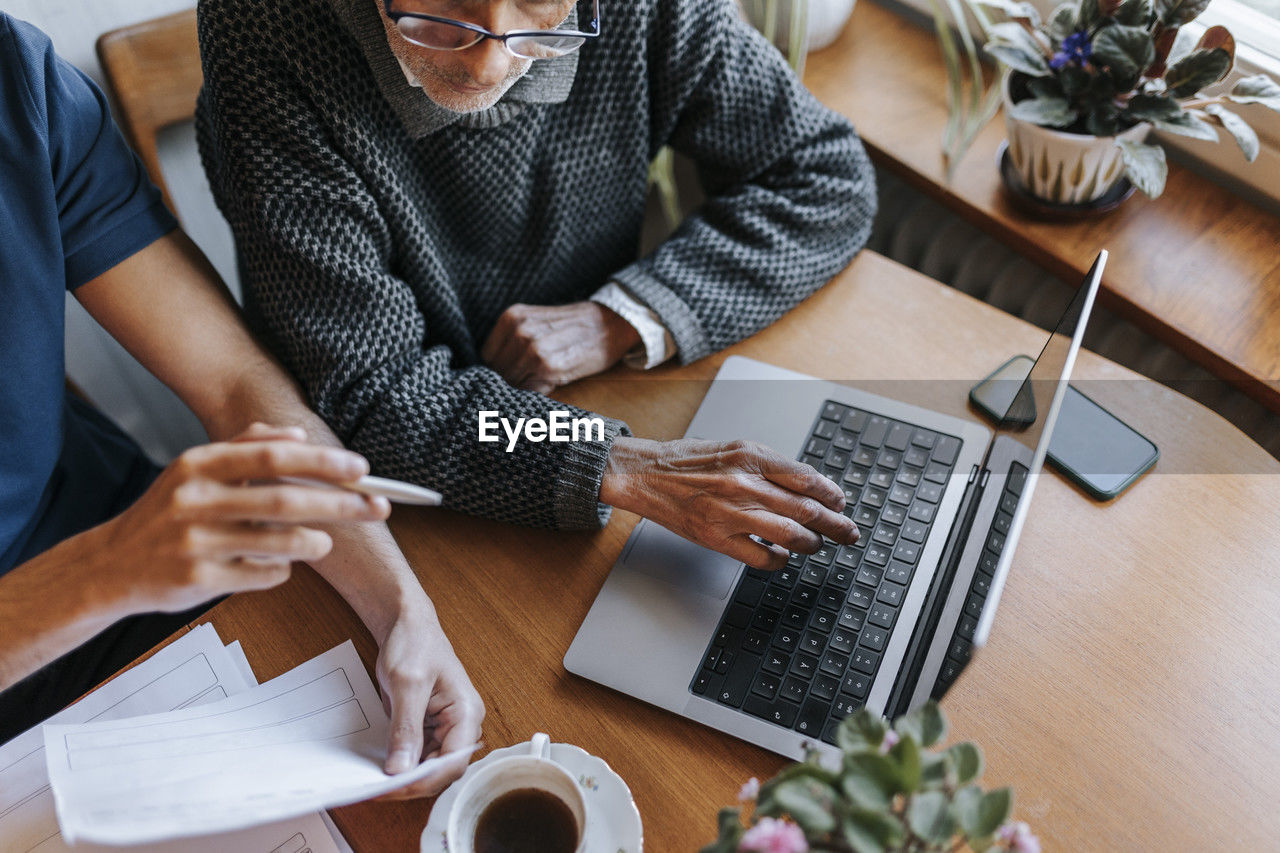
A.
pixel 656 344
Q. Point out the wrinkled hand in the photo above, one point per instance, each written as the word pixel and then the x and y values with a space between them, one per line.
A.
pixel 539 348
pixel 720 493
pixel 429 698
pixel 203 530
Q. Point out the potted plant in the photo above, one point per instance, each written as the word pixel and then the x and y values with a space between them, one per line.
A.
pixel 894 791
pixel 1087 86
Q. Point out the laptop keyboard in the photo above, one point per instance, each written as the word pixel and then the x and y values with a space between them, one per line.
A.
pixel 962 639
pixel 800 647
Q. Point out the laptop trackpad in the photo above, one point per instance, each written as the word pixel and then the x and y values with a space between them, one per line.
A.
pixel 661 554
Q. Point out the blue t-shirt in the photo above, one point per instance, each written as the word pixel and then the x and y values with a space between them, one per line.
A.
pixel 74 202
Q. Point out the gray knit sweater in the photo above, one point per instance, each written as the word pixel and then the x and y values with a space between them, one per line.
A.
pixel 380 237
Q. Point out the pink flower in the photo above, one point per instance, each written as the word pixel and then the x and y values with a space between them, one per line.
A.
pixel 773 836
pixel 749 791
pixel 890 740
pixel 1018 837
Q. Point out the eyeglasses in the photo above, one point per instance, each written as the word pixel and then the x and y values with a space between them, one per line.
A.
pixel 439 33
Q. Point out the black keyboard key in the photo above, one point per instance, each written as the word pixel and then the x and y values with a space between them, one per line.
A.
pixel 887 458
pixel 824 555
pixel 891 594
pixel 899 437
pixel 959 650
pixel 738 615
pixel 755 642
pixel 700 683
pixel 804 666
pixel 766 686
pixel 833 411
pixel 804 595
pixel 856 684
pixel 870 576
pixel 765 619
pixel 982 584
pixel 901 494
pixel 842 640
pixel 794 560
pixel 946 450
pixel 875 431
pixel 874 637
pixel 893 514
pixel 931 492
pixel 973 607
pixel 822 620
pixel 854 421
pixel 922 511
pixel 995 542
pixel 722 662
pixel 813 643
pixel 877 555
pixel 816 447
pixel 915 531
pixel 851 618
pixel 824 686
pixel 795 617
pixel 857 476
pixel 1003 521
pixel 865 661
pixel 836 458
pixel 775 662
pixel 1017 478
pixel 860 597
pixel 832 474
pixel 794 688
pixel 1008 502
pixel 863 457
pixel 909 477
pixel 907 552
pixel 726 636
pixel 915 457
pixel 787 640
pixel 874 497
pixel 840 578
pixel 834 663
pixel 813 573
pixel 967 626
pixel 898 572
pixel 924 438
pixel 713 656
pixel 829 731
pixel 864 516
pixel 782 713
pixel 749 592
pixel 950 672
pixel 844 441
pixel 775 597
pixel 885 534
pixel 844 706
pixel 738 680
pixel 881 478
pixel 812 460
pixel 785 578
pixel 881 614
pixel 831 597
pixel 812 715
pixel 825 430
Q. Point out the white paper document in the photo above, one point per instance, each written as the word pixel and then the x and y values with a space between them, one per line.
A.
pixel 313 738
pixel 194 669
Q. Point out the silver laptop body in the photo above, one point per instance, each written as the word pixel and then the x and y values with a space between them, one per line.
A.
pixel 651 625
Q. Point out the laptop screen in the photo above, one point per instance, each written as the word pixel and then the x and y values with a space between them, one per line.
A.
pixel 1034 403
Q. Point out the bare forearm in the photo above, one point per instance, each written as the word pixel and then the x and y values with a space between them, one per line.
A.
pixel 50 605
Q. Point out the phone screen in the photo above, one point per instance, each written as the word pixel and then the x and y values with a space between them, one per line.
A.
pixel 1090 445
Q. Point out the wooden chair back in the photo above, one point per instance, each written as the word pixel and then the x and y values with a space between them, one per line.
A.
pixel 153 72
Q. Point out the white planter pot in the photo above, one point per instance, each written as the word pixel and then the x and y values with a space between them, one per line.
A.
pixel 826 20
pixel 1065 168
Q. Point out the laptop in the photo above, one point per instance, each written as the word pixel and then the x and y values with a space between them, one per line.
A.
pixel 780 658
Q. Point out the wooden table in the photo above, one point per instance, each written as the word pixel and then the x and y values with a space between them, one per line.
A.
pixel 1131 691
pixel 1198 268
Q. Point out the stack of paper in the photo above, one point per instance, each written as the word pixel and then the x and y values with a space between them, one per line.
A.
pixel 194 670
pixel 313 738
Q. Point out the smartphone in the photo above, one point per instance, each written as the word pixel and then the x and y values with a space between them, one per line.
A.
pixel 1090 446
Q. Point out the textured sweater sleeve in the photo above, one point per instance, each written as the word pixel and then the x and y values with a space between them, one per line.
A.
pixel 790 190
pixel 314 256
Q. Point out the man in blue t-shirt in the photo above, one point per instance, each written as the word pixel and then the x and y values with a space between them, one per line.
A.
pixel 96 544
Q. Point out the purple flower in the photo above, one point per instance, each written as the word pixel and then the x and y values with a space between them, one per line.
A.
pixel 890 741
pixel 1076 49
pixel 1017 836
pixel 773 836
pixel 749 791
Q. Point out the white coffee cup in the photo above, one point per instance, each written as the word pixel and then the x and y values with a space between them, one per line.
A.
pixel 535 769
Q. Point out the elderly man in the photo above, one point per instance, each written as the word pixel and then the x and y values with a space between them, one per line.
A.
pixel 437 204
pixel 97 547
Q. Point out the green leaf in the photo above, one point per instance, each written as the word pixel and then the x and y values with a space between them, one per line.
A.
pixel 1145 166
pixel 1046 112
pixel 1197 69
pixel 1045 87
pixel 1090 15
pixel 800 770
pixel 869 831
pixel 1127 51
pixel 1062 22
pixel 966 759
pixel 1186 124
pixel 1015 47
pixel 1103 119
pixel 930 818
pixel 993 809
pixel 927 724
pixel 1013 9
pixel 730 832
pixel 1238 128
pixel 1134 13
pixel 1175 13
pixel 1152 108
pixel 935 769
pixel 861 730
pixel 869 779
pixel 810 804
pixel 967 804
pixel 1258 89
pixel 906 756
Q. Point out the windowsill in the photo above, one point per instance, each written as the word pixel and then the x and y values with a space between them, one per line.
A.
pixel 1196 268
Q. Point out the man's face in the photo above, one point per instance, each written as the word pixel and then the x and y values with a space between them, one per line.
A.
pixel 477 77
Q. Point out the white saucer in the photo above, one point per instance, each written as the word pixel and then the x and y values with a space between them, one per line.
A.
pixel 613 821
